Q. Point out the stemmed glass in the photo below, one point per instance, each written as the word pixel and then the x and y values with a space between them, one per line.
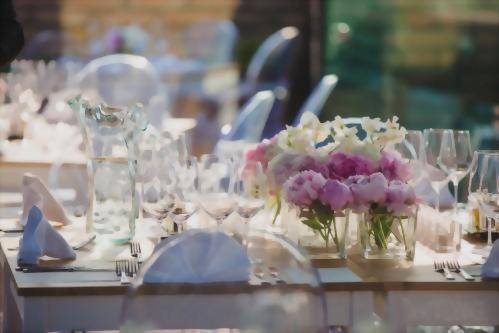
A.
pixel 412 149
pixel 251 192
pixel 185 193
pixel 216 187
pixel 487 194
pixel 439 152
pixel 463 158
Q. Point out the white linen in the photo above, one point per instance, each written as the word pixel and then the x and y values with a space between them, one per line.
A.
pixel 491 267
pixel 35 193
pixel 40 238
pixel 197 256
pixel 427 195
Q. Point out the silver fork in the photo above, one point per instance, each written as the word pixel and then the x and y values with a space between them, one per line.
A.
pixel 135 249
pixel 126 269
pixel 441 268
pixel 455 267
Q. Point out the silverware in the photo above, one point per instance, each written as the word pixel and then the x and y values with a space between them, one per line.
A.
pixel 84 243
pixel 455 267
pixel 135 249
pixel 41 269
pixel 126 269
pixel 441 268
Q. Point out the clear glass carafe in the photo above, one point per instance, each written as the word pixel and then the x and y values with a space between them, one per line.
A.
pixel 111 137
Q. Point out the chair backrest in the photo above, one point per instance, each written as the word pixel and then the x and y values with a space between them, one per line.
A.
pixel 272 58
pixel 211 42
pixel 249 123
pixel 315 102
pixel 120 79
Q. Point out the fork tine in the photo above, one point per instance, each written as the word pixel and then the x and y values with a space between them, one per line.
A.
pixel 138 247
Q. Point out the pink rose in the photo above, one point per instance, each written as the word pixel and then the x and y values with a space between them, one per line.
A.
pixel 367 190
pixel 342 165
pixel 400 197
pixel 336 195
pixel 394 168
pixel 303 188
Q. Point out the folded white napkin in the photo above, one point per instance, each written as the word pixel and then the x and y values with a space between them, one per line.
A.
pixel 427 195
pixel 35 192
pixel 39 238
pixel 197 256
pixel 491 267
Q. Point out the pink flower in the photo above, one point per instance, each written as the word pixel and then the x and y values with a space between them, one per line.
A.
pixel 392 166
pixel 368 190
pixel 303 188
pixel 258 155
pixel 400 197
pixel 285 166
pixel 336 194
pixel 342 165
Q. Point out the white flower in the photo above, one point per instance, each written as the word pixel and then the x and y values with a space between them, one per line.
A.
pixel 392 135
pixel 371 125
pixel 295 139
pixel 319 131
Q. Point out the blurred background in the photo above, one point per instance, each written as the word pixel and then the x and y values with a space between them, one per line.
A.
pixel 432 63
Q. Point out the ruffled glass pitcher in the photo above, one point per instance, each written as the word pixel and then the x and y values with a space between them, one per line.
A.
pixel 111 137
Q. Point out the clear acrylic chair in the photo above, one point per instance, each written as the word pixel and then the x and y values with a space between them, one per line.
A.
pixel 315 102
pixel 120 79
pixel 226 280
pixel 248 125
pixel 211 42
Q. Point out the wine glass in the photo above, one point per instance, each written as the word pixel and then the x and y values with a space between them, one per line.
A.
pixel 439 149
pixel 463 158
pixel 488 194
pixel 216 187
pixel 185 193
pixel 251 191
pixel 412 150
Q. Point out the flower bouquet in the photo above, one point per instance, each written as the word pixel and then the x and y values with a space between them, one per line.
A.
pixel 325 171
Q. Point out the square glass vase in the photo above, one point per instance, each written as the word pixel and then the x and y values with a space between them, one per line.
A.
pixel 330 242
pixel 387 235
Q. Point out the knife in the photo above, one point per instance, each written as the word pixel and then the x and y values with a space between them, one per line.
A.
pixel 38 269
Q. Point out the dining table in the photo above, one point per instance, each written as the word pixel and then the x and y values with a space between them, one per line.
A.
pixel 359 292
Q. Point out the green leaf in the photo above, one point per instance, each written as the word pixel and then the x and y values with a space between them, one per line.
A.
pixel 312 223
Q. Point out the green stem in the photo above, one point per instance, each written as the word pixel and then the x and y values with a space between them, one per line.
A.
pixel 335 236
pixel 403 233
pixel 278 210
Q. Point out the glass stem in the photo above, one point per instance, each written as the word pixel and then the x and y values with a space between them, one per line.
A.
pixel 437 200
pixel 456 193
pixel 489 231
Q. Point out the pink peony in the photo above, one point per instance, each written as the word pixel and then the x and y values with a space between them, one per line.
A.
pixel 303 188
pixel 394 168
pixel 336 195
pixel 342 165
pixel 400 197
pixel 367 190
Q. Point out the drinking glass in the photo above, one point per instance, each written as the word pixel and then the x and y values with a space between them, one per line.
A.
pixel 412 150
pixel 186 202
pixel 488 194
pixel 156 176
pixel 216 187
pixel 251 193
pixel 439 149
pixel 461 158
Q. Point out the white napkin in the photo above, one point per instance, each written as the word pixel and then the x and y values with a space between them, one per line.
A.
pixel 427 195
pixel 491 267
pixel 197 256
pixel 35 192
pixel 39 238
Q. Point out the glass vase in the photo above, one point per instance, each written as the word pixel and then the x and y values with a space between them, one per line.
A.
pixel 384 235
pixel 111 138
pixel 330 241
